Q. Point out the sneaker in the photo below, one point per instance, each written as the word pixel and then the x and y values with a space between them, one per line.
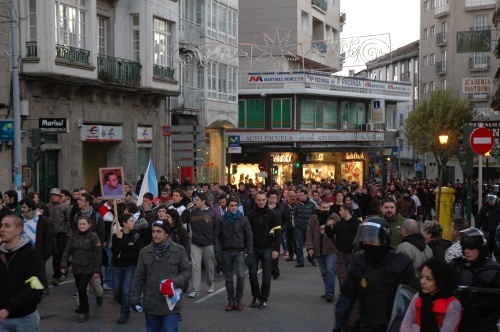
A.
pixel 211 289
pixel 75 295
pixel 193 294
pixel 106 287
pixel 122 320
pixel 254 302
pixel 262 304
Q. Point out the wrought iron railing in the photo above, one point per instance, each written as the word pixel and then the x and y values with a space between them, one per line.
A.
pixel 72 54
pixel 119 71
pixel 163 72
pixel 441 38
pixel 32 50
pixel 440 67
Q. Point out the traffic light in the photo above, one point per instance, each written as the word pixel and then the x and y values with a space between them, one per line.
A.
pixel 34 152
pixel 297 163
pixel 466 132
pixel 466 161
pixel 275 170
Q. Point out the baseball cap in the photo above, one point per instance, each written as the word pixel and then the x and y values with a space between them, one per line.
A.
pixel 55 191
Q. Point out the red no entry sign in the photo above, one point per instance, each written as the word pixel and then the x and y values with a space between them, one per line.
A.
pixel 481 140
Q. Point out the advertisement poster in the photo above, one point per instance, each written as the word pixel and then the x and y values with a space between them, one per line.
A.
pixel 352 171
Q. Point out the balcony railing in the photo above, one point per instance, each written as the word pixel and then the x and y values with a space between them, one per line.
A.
pixel 163 72
pixel 442 10
pixel 320 46
pixel 32 50
pixel 189 32
pixel 479 63
pixel 190 97
pixel 118 71
pixel 479 4
pixel 72 54
pixel 441 67
pixel 321 4
pixel 441 39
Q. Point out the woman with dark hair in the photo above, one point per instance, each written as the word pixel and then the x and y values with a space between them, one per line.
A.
pixel 177 232
pixel 432 232
pixel 86 249
pixel 34 196
pixel 434 308
pixel 125 247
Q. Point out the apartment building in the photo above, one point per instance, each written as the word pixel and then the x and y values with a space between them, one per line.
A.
pixel 296 118
pixel 400 65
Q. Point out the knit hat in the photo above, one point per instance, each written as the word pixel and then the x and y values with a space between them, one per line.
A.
pixel 163 225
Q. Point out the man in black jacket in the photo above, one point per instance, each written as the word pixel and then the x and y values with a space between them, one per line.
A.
pixel 20 289
pixel 233 234
pixel 266 232
pixel 304 210
pixel 279 210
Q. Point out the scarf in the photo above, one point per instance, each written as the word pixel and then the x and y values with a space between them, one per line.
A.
pixel 88 213
pixel 428 321
pixel 30 215
pixel 161 249
pixel 230 217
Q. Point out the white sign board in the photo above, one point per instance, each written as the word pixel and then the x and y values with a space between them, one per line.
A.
pixel 234 149
pixel 477 85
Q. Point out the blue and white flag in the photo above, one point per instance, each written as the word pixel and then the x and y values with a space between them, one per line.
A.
pixel 149 183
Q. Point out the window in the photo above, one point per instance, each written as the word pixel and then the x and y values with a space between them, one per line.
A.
pixel 222 87
pixel 251 113
pixel 415 92
pixel 424 87
pixel 443 84
pixel 395 72
pixel 222 20
pixel 387 73
pixel 391 116
pixel 353 115
pixel 102 35
pixel 432 59
pixel 481 22
pixel 415 66
pixel 70 24
pixel 443 59
pixel 433 31
pixel 281 114
pixel 444 28
pixel 305 21
pixel 163 46
pixel 211 80
pixel 426 33
pixel 32 20
pixel 380 74
pixel 401 120
pixel 480 60
pixel 233 27
pixel 426 6
pixel 318 114
pixel 135 37
pixel 432 87
pixel 232 83
pixel 212 18
pixel 426 60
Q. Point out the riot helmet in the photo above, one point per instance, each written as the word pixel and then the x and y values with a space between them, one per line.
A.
pixel 374 229
pixel 474 238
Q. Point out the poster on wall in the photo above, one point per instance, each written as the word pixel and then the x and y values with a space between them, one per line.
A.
pixel 352 171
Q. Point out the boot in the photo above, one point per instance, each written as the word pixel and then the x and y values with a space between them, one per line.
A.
pixel 239 304
pixel 83 317
pixel 230 306
pixel 311 260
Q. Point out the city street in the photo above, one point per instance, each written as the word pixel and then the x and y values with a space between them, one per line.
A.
pixel 294 305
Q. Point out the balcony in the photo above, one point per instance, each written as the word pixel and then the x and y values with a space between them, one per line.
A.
pixel 441 67
pixel 442 10
pixel 31 49
pixel 481 63
pixel 72 54
pixel 118 71
pixel 320 47
pixel 471 5
pixel 441 39
pixel 190 98
pixel 321 5
pixel 163 73
pixel 190 32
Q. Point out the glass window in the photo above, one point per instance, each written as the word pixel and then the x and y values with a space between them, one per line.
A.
pixel 281 114
pixel 222 20
pixel 102 35
pixel 32 20
pixel 443 84
pixel 432 87
pixel 480 60
pixel 163 45
pixel 424 87
pixel 222 88
pixel 307 107
pixel 211 80
pixel 330 115
pixel 432 59
pixel 305 21
pixel 251 113
pixel 135 37
pixel 391 116
pixel 232 83
pixel 395 72
pixel 481 22
pixel 426 60
pixel 433 31
pixel 233 26
pixel 212 18
pixel 70 24
pixel 426 33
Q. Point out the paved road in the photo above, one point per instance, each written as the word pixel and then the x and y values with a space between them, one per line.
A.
pixel 294 305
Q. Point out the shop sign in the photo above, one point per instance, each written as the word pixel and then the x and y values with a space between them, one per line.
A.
pixel 53 125
pixel 474 41
pixel 308 136
pixel 6 130
pixel 354 155
pixel 98 133
pixel 477 85
pixel 314 157
pixel 282 158
pixel 144 134
pixel 234 149
pixel 234 141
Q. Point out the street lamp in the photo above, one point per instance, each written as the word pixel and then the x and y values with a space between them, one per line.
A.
pixel 443 139
pixel 487 156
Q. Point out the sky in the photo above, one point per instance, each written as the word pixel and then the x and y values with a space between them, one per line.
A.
pixel 394 20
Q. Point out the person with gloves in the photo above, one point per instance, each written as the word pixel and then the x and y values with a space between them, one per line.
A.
pixel 233 234
pixel 161 260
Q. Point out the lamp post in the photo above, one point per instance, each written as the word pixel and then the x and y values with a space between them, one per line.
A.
pixel 487 156
pixel 443 140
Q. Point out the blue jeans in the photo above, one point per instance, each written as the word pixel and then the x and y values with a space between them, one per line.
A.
pixel 264 256
pixel 327 265
pixel 168 323
pixel 27 323
pixel 108 277
pixel 122 283
pixel 300 238
pixel 234 261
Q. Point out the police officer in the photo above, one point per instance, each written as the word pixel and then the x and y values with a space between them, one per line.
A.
pixel 373 278
pixel 476 269
pixel 488 218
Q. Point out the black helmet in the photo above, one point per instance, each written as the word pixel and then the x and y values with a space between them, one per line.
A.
pixel 374 229
pixel 474 238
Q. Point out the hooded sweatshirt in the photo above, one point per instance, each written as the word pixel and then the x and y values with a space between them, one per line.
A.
pixel 17 266
pixel 414 246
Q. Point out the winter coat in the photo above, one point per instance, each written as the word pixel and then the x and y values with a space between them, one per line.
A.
pixel 303 213
pixel 149 273
pixel 414 246
pixel 86 250
pixel 43 242
pixel 315 240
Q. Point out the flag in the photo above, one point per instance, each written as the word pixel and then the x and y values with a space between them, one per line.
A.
pixel 149 183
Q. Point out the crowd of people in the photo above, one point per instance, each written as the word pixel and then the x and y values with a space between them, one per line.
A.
pixel 151 255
